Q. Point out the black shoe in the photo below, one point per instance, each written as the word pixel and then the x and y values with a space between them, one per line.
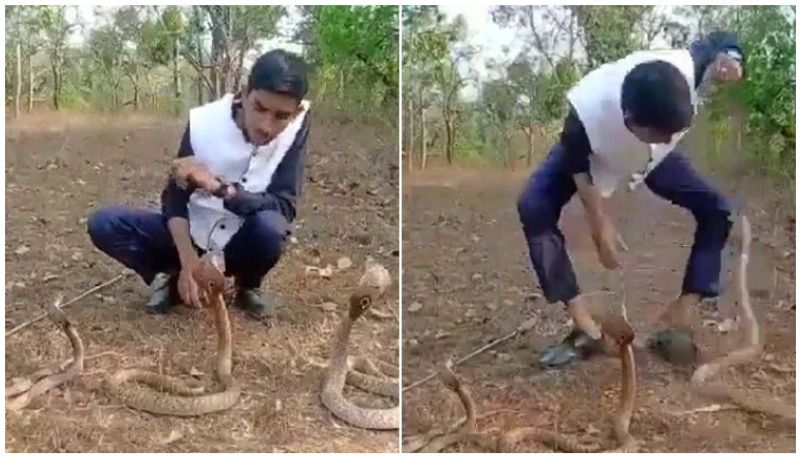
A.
pixel 576 346
pixel 675 345
pixel 256 304
pixel 163 289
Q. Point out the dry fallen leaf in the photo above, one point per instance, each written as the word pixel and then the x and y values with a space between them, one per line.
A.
pixel 375 275
pixel 173 436
pixel 414 307
pixel 22 250
pixel 329 306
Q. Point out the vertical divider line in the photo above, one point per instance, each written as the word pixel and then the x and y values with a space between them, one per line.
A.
pixel 400 222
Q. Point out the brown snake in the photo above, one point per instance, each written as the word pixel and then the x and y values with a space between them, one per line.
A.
pixel 617 333
pixel 748 400
pixel 186 401
pixel 336 376
pixel 49 378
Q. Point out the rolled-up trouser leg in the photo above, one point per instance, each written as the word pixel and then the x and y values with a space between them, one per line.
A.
pixel 676 180
pixel 548 189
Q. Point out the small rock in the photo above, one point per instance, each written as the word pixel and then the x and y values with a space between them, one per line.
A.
pixel 476 276
pixel 109 299
pixel 344 263
pixel 441 334
pixel 491 306
pixel 503 357
pixel 329 306
pixel 22 250
pixel 414 307
pixel 470 313
pixel 413 342
pixel 293 240
pixel 459 320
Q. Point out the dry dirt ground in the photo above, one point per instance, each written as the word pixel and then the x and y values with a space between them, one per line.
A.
pixel 468 280
pixel 59 169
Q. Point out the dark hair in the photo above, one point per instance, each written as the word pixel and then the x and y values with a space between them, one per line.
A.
pixel 279 71
pixel 656 95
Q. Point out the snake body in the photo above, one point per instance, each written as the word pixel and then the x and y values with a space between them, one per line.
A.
pixel 618 334
pixel 750 401
pixel 46 379
pixel 336 376
pixel 179 399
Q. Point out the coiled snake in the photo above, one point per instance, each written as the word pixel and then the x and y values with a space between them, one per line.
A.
pixel 181 399
pixel 617 334
pixel 748 400
pixel 338 374
pixel 186 400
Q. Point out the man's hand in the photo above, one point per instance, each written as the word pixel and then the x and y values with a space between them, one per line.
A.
pixel 607 242
pixel 187 286
pixel 606 239
pixel 726 69
pixel 188 171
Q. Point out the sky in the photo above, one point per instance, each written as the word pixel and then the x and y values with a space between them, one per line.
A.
pixel 484 34
pixel 89 20
pixel 492 39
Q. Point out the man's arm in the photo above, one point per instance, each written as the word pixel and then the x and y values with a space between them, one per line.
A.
pixel 578 149
pixel 284 189
pixel 174 202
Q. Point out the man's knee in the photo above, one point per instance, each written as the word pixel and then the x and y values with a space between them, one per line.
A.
pixel 269 230
pixel 101 225
pixel 714 225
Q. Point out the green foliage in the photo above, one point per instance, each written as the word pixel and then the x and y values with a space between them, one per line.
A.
pixel 608 31
pixel 767 96
pixel 354 49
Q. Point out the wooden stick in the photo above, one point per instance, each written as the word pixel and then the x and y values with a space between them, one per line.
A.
pixel 524 327
pixel 76 299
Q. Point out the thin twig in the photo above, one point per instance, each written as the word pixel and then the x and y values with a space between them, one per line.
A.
pixel 524 327
pixel 76 299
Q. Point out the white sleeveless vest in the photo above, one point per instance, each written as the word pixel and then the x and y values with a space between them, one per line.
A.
pixel 597 99
pixel 219 144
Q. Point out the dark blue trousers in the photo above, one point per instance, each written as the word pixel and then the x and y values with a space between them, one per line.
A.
pixel 140 240
pixel 551 187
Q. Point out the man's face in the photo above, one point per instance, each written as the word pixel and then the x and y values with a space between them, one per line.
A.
pixel 266 114
pixel 649 135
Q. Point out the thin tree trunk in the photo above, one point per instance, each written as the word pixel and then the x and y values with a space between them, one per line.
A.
pixel 424 141
pixel 199 84
pixel 529 158
pixel 411 122
pixel 176 80
pixel 30 83
pixel 18 82
pixel 449 139
pixel 53 66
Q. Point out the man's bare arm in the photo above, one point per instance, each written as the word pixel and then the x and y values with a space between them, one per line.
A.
pixel 591 199
pixel 179 229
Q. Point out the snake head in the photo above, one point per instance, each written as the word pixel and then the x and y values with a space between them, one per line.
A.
pixel 449 378
pixel 210 279
pixel 360 301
